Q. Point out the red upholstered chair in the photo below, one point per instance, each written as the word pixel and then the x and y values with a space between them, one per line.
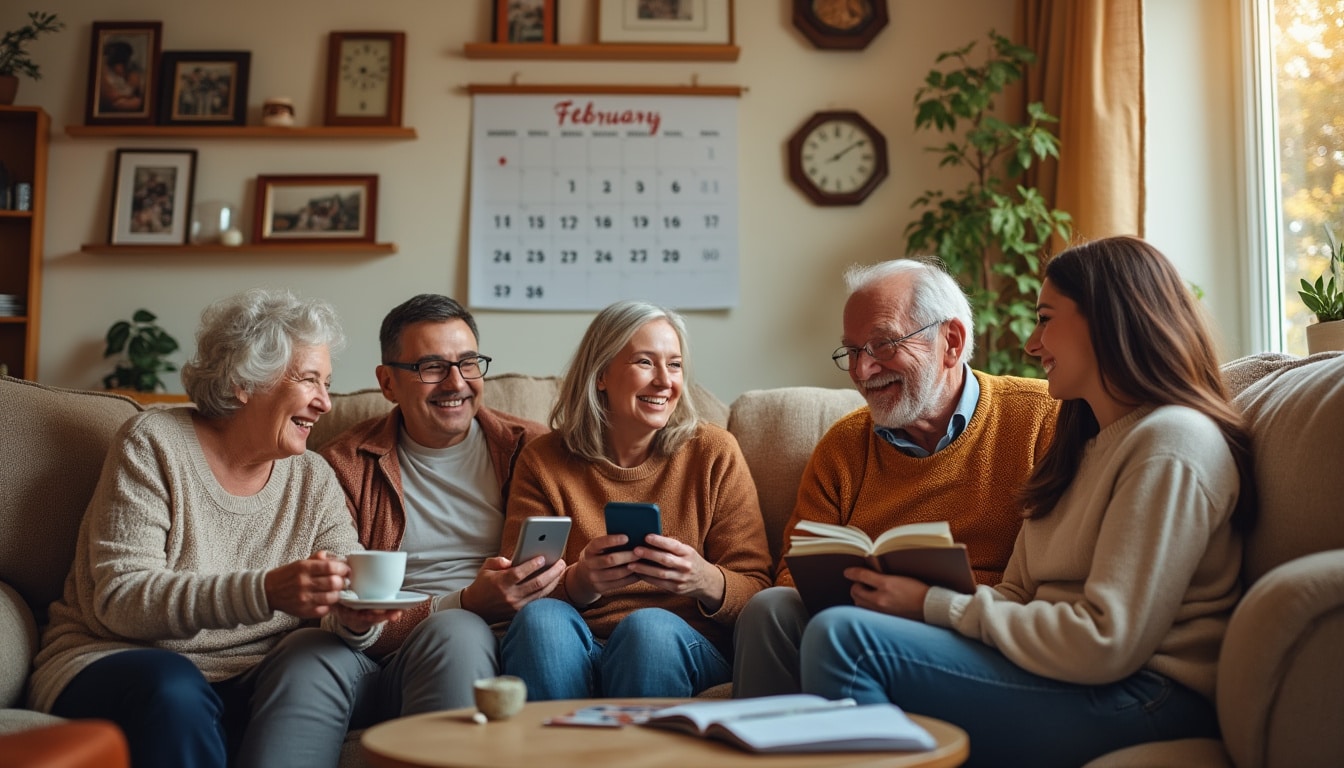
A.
pixel 76 744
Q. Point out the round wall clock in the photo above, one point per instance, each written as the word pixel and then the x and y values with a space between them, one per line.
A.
pixel 837 158
pixel 840 24
pixel 364 78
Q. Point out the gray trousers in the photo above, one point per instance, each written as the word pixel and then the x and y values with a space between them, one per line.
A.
pixel 312 688
pixel 766 639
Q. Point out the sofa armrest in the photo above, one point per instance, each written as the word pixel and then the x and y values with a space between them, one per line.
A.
pixel 1280 680
pixel 18 645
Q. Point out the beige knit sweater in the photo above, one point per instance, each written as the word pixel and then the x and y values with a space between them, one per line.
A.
pixel 1136 567
pixel 166 558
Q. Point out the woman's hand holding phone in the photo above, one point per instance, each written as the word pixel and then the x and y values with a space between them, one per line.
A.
pixel 675 567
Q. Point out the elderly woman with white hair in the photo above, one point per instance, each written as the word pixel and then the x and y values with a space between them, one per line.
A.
pixel 209 537
pixel 656 620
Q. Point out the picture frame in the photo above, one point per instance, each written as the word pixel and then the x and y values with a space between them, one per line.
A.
pixel 152 192
pixel 319 208
pixel 203 87
pixel 365 78
pixel 525 22
pixel 684 22
pixel 123 72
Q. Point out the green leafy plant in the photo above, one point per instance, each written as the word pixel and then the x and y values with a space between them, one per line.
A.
pixel 1326 299
pixel 994 233
pixel 13 51
pixel 146 348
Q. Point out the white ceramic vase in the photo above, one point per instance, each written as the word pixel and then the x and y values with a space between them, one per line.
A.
pixel 1323 337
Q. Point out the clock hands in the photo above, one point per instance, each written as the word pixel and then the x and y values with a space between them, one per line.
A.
pixel 842 152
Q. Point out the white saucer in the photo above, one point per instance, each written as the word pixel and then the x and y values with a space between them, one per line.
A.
pixel 403 599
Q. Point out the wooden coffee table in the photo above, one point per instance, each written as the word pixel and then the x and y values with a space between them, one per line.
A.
pixel 450 739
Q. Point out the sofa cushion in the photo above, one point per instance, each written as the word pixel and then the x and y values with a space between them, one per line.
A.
pixel 51 453
pixel 777 430
pixel 1296 415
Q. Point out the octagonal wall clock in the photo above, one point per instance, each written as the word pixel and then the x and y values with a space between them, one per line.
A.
pixel 365 78
pixel 840 24
pixel 837 158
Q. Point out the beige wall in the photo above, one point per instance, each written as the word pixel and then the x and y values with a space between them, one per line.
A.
pixel 792 253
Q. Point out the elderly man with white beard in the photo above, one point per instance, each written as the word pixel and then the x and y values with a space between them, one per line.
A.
pixel 936 441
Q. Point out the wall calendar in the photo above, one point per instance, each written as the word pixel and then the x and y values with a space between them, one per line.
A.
pixel 581 199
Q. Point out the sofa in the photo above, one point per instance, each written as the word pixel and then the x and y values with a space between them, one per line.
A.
pixel 1280 691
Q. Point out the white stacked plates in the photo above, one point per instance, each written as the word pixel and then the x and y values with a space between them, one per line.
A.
pixel 10 305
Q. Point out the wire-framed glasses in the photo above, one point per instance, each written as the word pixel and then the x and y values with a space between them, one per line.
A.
pixel 846 358
pixel 434 371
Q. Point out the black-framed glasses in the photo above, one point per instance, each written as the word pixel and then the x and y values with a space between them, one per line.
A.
pixel 434 371
pixel 847 357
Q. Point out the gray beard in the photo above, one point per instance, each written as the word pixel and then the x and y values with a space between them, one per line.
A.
pixel 920 396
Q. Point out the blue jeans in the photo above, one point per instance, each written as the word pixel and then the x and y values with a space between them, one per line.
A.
pixel 1013 717
pixel 652 652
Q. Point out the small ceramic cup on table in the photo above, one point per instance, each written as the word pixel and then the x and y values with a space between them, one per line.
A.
pixel 499 698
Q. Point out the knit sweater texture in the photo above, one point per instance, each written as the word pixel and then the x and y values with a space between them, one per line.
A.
pixel 856 478
pixel 166 558
pixel 1136 566
pixel 364 458
pixel 707 499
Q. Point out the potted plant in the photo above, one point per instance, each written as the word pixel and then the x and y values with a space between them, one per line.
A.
pixel 145 346
pixel 994 232
pixel 1325 298
pixel 14 59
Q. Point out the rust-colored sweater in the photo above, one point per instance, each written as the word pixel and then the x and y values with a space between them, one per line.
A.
pixel 856 478
pixel 707 499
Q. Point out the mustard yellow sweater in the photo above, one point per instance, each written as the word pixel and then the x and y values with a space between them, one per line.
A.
pixel 856 478
pixel 707 499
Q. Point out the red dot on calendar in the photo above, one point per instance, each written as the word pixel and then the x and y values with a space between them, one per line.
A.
pixel 503 161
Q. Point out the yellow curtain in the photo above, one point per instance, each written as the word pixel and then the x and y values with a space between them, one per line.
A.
pixel 1089 74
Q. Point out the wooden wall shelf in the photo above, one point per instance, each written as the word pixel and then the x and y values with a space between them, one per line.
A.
pixel 602 52
pixel 215 249
pixel 239 132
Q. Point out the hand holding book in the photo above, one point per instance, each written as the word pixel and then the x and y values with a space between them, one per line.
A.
pixel 819 553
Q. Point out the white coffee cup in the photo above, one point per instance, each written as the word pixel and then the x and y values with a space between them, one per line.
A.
pixel 376 575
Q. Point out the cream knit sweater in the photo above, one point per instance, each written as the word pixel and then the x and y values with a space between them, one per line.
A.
pixel 1136 567
pixel 166 558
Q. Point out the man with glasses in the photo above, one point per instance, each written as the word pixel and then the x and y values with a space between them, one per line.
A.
pixel 431 478
pixel 937 441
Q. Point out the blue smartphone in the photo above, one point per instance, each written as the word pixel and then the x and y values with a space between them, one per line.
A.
pixel 636 520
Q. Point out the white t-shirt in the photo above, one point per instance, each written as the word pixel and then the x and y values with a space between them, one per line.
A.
pixel 454 513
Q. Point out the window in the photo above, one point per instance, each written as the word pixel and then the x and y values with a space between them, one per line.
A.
pixel 1298 50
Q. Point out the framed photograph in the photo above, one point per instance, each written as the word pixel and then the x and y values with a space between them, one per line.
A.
pixel 685 22
pixel 203 87
pixel 316 209
pixel 364 78
pixel 123 72
pixel 151 196
pixel 525 21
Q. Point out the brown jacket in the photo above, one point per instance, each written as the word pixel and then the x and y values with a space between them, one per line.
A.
pixel 365 459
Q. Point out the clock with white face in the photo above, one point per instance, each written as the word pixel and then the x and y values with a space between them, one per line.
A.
pixel 837 158
pixel 364 78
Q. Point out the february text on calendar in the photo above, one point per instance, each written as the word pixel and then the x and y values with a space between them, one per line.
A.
pixel 579 200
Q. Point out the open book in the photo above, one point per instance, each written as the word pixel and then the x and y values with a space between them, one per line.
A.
pixel 798 723
pixel 819 553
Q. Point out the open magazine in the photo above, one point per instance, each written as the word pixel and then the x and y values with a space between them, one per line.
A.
pixel 797 723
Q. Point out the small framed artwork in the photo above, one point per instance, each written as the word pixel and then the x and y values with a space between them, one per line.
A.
pixel 685 22
pixel 151 196
pixel 364 78
pixel 525 21
pixel 203 87
pixel 320 208
pixel 123 71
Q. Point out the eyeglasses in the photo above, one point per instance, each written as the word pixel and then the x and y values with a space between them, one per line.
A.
pixel 434 371
pixel 847 357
